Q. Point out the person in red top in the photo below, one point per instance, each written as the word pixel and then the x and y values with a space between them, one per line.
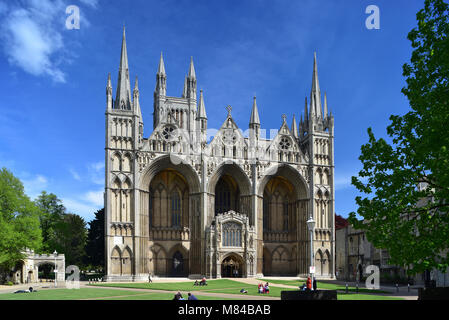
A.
pixel 309 283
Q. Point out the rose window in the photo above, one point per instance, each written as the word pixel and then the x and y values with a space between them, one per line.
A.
pixel 168 132
pixel 284 144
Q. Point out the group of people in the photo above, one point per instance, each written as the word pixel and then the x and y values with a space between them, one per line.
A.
pixel 309 285
pixel 178 296
pixel 203 282
pixel 263 288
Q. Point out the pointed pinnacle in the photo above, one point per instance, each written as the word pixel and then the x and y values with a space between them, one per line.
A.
pixel 192 69
pixel 136 85
pixel 325 106
pixel 161 69
pixel 201 107
pixel 109 80
pixel 306 112
pixel 254 113
pixel 294 127
pixel 315 82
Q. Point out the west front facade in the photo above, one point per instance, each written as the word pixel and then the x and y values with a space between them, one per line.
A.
pixel 181 204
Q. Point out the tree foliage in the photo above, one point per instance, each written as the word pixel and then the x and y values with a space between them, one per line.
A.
pixel 52 213
pixel 406 182
pixel 19 221
pixel 64 232
pixel 95 241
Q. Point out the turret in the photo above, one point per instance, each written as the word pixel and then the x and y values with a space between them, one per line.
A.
pixel 161 79
pixel 254 121
pixel 191 82
pixel 294 128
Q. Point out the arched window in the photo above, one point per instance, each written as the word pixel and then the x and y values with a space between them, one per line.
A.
pixel 151 198
pixel 222 197
pixel 285 215
pixel 266 212
pixel 175 209
pixel 232 235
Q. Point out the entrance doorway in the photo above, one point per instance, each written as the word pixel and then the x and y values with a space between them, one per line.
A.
pixel 178 265
pixel 232 267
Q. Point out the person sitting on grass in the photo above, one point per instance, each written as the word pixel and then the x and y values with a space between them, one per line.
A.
pixel 260 288
pixel 196 283
pixel 191 297
pixel 203 282
pixel 243 291
pixel 266 288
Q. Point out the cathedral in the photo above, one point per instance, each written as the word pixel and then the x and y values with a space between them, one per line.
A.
pixel 184 202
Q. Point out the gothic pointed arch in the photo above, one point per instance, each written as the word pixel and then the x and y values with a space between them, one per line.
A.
pixel 158 263
pixel 234 170
pixel 171 162
pixel 116 267
pixel 126 261
pixel 288 172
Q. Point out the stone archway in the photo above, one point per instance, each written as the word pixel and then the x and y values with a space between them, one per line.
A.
pixel 283 209
pixel 232 266
pixel 233 177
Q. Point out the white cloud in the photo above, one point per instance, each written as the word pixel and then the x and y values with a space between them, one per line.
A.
pixel 75 174
pixel 95 197
pixel 80 208
pixel 96 172
pixel 91 3
pixel 85 205
pixel 35 185
pixel 31 40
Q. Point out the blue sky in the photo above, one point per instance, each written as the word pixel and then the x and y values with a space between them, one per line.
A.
pixel 52 80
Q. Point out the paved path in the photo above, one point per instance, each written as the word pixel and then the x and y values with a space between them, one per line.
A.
pixel 196 293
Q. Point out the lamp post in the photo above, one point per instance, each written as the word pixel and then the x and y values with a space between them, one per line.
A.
pixel 311 226
pixel 56 270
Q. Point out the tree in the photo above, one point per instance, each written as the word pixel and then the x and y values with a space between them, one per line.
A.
pixel 52 212
pixel 19 222
pixel 70 236
pixel 95 240
pixel 406 182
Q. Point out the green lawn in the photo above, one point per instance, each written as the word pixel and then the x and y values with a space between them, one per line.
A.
pixel 323 285
pixel 66 294
pixel 95 293
pixel 252 291
pixel 216 286
pixel 178 286
pixel 354 296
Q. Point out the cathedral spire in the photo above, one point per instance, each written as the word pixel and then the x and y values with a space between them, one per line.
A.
pixel 254 114
pixel 136 100
pixel 161 69
pixel 315 94
pixel 184 91
pixel 191 81
pixel 161 79
pixel 109 93
pixel 123 98
pixel 201 107
pixel 254 122
pixel 306 112
pixel 294 127
pixel 326 113
pixel 192 74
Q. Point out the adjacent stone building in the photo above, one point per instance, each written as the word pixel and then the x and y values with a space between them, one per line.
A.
pixel 178 204
pixel 27 270
pixel 354 253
